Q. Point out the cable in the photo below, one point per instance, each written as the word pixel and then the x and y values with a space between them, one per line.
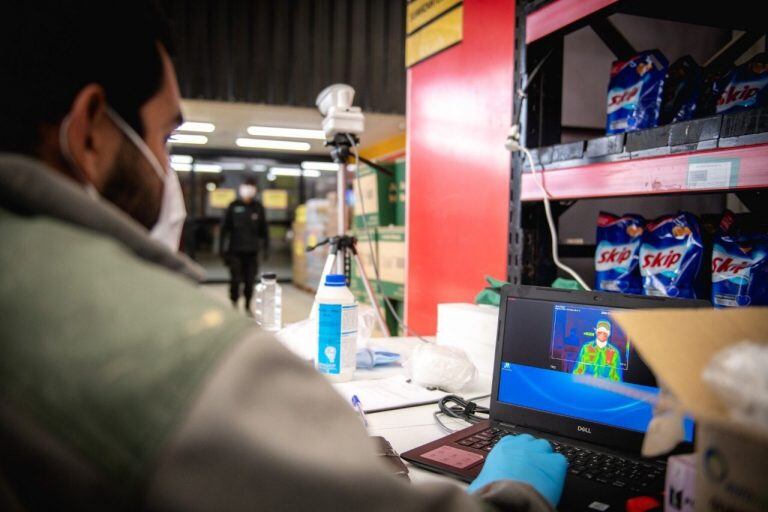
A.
pixel 550 222
pixel 463 409
pixel 389 305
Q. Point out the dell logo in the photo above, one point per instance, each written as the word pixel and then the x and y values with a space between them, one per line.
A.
pixel 586 430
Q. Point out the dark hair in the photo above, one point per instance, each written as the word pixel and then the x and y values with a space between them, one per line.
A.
pixel 249 181
pixel 51 49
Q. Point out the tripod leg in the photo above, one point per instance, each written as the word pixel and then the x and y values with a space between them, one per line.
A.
pixel 371 296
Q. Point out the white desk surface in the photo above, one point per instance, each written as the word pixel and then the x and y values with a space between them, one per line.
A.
pixel 411 427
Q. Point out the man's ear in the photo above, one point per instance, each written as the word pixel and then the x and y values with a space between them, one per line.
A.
pixel 91 138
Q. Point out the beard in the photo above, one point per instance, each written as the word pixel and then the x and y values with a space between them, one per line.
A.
pixel 133 186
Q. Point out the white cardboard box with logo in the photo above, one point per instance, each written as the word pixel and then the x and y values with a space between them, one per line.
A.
pixel 731 455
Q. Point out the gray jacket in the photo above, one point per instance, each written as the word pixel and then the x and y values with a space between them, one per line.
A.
pixel 123 386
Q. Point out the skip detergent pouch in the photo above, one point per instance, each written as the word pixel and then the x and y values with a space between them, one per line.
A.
pixel 617 254
pixel 634 92
pixel 682 91
pixel 670 255
pixel 746 86
pixel 739 267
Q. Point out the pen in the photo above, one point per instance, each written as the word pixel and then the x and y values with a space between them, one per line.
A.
pixel 359 406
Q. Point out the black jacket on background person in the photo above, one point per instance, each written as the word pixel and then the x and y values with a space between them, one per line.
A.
pixel 243 227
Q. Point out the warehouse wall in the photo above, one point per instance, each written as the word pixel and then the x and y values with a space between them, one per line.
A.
pixel 458 110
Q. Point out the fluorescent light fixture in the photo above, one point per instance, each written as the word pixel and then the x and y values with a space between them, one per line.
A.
pixel 232 166
pixel 288 133
pixel 273 144
pixel 285 171
pixel 185 138
pixel 190 126
pixel 207 168
pixel 258 167
pixel 292 171
pixel 181 159
pixel 271 177
pixel 320 166
pixel 181 167
pixel 210 187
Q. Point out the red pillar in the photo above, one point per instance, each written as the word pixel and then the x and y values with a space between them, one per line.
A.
pixel 459 109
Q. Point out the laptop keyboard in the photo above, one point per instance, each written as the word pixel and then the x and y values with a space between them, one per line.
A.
pixel 606 469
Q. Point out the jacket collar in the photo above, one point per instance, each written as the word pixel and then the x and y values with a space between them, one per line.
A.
pixel 30 187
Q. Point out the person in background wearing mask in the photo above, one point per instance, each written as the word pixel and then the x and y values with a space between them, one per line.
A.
pixel 123 386
pixel 243 230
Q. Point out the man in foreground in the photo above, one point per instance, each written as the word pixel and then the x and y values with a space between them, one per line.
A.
pixel 122 386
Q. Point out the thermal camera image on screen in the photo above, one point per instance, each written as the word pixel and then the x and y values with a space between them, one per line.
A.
pixel 586 341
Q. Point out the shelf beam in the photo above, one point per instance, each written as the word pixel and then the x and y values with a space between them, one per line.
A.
pixel 747 166
pixel 558 14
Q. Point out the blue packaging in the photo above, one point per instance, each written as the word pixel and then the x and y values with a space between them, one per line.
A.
pixel 745 87
pixel 618 253
pixel 682 91
pixel 634 92
pixel 739 270
pixel 670 255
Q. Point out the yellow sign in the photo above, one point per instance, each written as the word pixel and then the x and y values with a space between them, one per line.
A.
pixel 445 31
pixel 420 12
pixel 221 197
pixel 275 199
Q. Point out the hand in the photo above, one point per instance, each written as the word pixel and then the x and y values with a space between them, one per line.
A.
pixel 528 460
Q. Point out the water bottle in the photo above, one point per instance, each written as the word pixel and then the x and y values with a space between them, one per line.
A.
pixel 336 329
pixel 269 303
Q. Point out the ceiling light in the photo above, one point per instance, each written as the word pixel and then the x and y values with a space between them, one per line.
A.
pixel 320 166
pixel 311 174
pixel 271 177
pixel 190 126
pixel 232 166
pixel 207 168
pixel 210 187
pixel 181 159
pixel 273 144
pixel 258 167
pixel 185 138
pixel 285 171
pixel 181 167
pixel 289 133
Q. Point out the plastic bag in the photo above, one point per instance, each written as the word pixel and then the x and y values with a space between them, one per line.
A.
pixel 737 374
pixel 439 366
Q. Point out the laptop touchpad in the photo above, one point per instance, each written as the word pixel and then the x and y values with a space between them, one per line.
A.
pixel 453 457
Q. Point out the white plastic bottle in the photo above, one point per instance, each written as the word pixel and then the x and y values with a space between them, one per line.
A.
pixel 336 329
pixel 269 303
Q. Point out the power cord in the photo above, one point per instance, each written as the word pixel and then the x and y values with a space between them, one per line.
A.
pixel 513 144
pixel 400 322
pixel 457 407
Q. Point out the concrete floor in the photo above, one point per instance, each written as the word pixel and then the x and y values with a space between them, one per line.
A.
pixel 296 303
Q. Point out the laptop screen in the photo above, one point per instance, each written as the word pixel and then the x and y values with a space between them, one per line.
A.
pixel 549 352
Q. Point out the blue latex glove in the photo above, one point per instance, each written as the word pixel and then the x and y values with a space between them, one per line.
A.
pixel 525 459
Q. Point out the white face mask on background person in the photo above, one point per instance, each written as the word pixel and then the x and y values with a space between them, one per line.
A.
pixel 247 192
pixel 173 212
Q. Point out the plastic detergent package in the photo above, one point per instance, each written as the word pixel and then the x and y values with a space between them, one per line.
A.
pixel 740 270
pixel 670 255
pixel 634 92
pixel 746 86
pixel 618 253
pixel 682 91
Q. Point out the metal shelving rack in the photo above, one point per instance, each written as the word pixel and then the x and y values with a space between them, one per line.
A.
pixel 664 160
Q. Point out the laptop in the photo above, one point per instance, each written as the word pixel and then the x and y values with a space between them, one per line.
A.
pixel 546 340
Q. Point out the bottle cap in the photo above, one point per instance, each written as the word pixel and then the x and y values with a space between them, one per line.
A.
pixel 335 280
pixel 269 275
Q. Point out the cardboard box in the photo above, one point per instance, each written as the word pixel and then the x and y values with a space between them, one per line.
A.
pixel 379 195
pixel 391 258
pixel 364 249
pixel 732 457
pixel 400 180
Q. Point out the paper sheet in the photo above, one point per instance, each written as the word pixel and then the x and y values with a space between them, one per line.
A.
pixel 390 393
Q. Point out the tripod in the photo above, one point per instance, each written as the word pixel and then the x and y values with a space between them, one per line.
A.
pixel 342 245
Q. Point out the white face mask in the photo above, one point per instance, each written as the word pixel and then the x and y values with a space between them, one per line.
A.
pixel 247 192
pixel 173 212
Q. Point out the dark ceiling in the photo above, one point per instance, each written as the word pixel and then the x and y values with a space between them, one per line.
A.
pixel 283 52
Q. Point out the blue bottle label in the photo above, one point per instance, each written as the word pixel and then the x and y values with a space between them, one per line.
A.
pixel 329 339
